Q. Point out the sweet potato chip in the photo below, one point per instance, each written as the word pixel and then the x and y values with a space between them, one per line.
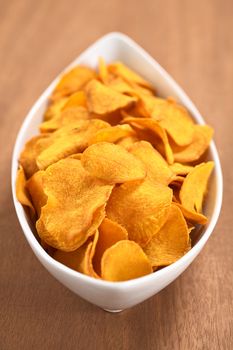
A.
pixel 78 99
pixel 171 242
pixel 36 190
pixel 112 134
pixel 68 140
pixel 55 108
pixel 75 205
pixel 65 118
pixel 104 75
pixel 157 168
pixel 194 187
pixel 76 260
pixel 102 99
pixel 72 81
pixel 88 267
pixel 30 153
pixel 201 140
pixel 120 70
pixel 156 129
pixel 112 163
pixel 110 232
pixel 142 208
pixel 22 192
pixel 180 169
pixel 123 261
pixel 127 142
pixel 192 216
pixel 172 117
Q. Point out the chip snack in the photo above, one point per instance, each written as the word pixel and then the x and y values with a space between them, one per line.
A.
pixel 171 242
pixel 112 163
pixel 123 261
pixel 116 180
pixel 110 232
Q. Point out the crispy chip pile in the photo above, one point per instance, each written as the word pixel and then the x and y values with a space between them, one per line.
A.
pixel 117 178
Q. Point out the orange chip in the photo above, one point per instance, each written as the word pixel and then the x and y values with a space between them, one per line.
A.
pixel 22 192
pixel 180 169
pixel 177 180
pixel 103 71
pixel 112 134
pixel 112 163
pixel 142 208
pixel 88 264
pixel 127 142
pixel 110 232
pixel 65 118
pixel 75 205
pixel 172 117
pixel 171 242
pixel 76 260
pixel 72 81
pixel 120 70
pixel 156 129
pixel 36 190
pixel 192 216
pixel 157 168
pixel 55 108
pixel 68 140
pixel 78 99
pixel 123 261
pixel 31 151
pixel 201 140
pixel 102 99
pixel 194 187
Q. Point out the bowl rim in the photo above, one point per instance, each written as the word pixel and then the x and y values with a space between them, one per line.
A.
pixel 33 242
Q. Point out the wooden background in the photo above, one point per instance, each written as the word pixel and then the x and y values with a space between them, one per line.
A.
pixel 193 41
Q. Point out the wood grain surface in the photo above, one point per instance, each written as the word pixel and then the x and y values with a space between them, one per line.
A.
pixel 193 41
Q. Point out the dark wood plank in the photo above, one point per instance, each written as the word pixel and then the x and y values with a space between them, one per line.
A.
pixel 193 41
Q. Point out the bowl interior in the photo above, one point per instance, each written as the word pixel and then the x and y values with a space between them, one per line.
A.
pixel 117 47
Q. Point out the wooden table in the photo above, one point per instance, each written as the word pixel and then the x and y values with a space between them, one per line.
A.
pixel 193 41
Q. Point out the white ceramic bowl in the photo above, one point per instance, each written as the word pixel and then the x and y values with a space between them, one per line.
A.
pixel 116 296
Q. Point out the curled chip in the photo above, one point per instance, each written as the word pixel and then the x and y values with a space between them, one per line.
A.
pixel 194 187
pixel 36 189
pixel 76 260
pixel 201 140
pixel 172 117
pixel 102 99
pixel 112 163
pixel 192 216
pixel 177 180
pixel 22 192
pixel 76 100
pixel 171 242
pixel 157 168
pixel 110 232
pixel 65 118
pixel 75 205
pixel 120 70
pixel 73 81
pixel 123 261
pixel 68 140
pixel 103 71
pixel 30 153
pixel 112 134
pixel 55 108
pixel 156 129
pixel 180 169
pixel 88 263
pixel 142 208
